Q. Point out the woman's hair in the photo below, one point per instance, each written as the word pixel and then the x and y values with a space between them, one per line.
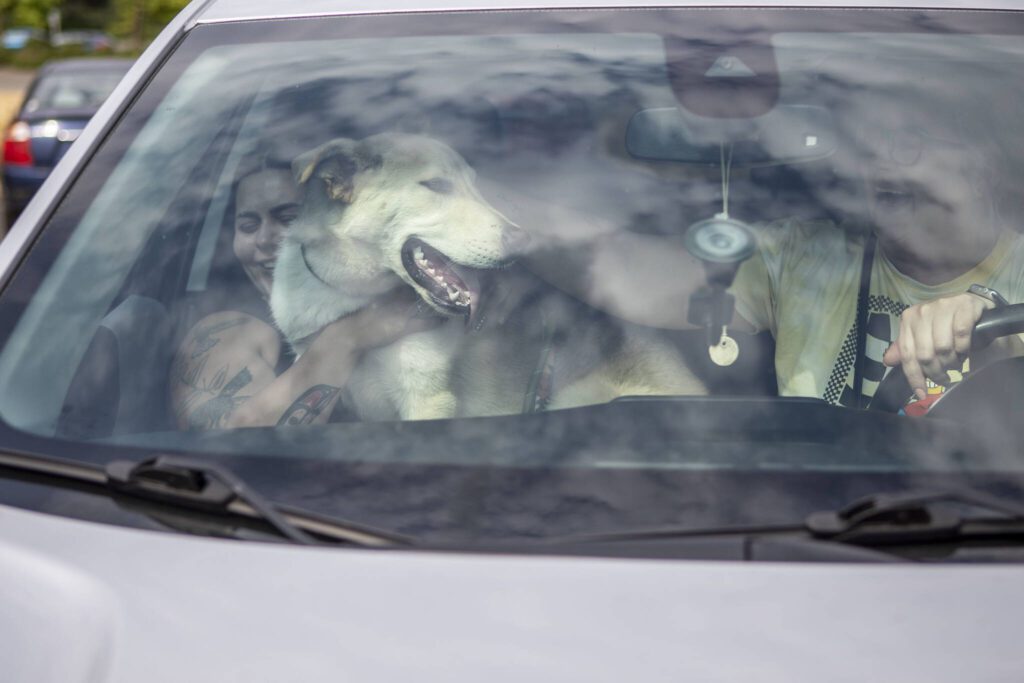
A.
pixel 229 286
pixel 263 158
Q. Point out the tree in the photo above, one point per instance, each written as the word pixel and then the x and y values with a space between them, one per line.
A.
pixel 25 12
pixel 85 14
pixel 140 20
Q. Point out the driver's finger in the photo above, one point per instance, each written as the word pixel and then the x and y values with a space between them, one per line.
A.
pixel 891 358
pixel 942 340
pixel 924 346
pixel 963 327
pixel 911 368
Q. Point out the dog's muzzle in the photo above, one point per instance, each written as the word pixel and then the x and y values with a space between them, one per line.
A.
pixel 452 288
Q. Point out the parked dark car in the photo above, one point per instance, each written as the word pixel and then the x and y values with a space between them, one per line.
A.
pixel 58 104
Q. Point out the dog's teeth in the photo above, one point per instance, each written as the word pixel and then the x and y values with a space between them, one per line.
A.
pixel 418 253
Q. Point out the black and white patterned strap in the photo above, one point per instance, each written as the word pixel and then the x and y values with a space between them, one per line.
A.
pixel 867 262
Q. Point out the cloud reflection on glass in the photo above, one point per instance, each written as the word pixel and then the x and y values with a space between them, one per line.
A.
pixel 916 150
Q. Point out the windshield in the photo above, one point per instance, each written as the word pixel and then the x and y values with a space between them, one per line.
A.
pixel 494 274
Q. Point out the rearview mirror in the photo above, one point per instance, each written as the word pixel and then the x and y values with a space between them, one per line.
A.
pixel 788 134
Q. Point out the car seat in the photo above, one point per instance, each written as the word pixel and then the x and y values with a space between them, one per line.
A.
pixel 120 384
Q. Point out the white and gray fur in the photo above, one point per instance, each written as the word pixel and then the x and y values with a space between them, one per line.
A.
pixel 363 201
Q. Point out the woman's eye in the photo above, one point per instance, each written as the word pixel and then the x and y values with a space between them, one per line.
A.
pixel 438 185
pixel 247 227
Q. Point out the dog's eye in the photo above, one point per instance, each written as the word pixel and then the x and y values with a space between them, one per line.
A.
pixel 438 185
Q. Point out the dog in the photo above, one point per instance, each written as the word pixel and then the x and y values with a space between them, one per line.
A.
pixel 399 208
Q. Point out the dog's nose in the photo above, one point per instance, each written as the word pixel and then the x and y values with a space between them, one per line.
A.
pixel 514 239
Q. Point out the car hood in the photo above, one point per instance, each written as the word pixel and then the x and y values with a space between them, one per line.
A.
pixel 97 603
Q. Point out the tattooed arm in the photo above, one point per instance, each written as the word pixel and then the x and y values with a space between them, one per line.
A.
pixel 223 373
pixel 228 359
pixel 307 392
pixel 225 359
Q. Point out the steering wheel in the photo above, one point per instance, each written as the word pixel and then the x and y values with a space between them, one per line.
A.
pixel 894 390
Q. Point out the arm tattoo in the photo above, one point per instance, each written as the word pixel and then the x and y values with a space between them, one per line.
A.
pixel 308 406
pixel 189 368
pixel 204 339
pixel 213 413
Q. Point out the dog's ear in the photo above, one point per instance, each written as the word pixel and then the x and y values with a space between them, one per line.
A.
pixel 334 163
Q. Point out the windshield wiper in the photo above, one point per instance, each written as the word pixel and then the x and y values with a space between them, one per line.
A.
pixel 867 530
pixel 200 485
pixel 911 517
pixel 204 487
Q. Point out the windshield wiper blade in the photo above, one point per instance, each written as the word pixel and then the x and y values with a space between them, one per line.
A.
pixel 914 517
pixel 204 487
pixel 198 484
pixel 908 517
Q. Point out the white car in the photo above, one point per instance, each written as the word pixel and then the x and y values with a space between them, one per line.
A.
pixel 621 467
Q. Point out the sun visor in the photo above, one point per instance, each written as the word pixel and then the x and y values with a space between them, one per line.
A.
pixel 787 134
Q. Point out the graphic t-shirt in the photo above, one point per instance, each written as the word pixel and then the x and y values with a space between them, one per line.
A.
pixel 803 284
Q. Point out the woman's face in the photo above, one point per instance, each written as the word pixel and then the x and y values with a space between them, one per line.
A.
pixel 265 204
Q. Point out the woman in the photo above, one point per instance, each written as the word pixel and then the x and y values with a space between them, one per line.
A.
pixel 233 368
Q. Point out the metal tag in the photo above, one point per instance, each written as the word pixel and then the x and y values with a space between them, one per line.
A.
pixel 725 352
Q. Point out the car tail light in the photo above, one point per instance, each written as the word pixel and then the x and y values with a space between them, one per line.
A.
pixel 18 145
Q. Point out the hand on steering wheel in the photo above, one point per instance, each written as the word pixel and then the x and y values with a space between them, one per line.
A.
pixel 895 390
pixel 934 337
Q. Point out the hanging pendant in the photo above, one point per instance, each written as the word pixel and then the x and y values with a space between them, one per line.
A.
pixel 725 352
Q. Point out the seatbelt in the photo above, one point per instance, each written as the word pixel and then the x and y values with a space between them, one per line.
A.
pixel 866 264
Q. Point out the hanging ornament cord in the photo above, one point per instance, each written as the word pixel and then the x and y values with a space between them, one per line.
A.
pixel 725 164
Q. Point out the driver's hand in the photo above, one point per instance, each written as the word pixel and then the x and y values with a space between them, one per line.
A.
pixel 934 337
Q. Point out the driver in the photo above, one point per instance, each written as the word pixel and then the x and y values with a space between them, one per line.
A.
pixel 936 256
pixel 935 240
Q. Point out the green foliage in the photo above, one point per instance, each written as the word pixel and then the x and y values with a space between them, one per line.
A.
pixel 133 22
pixel 140 20
pixel 37 52
pixel 26 12
pixel 85 14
